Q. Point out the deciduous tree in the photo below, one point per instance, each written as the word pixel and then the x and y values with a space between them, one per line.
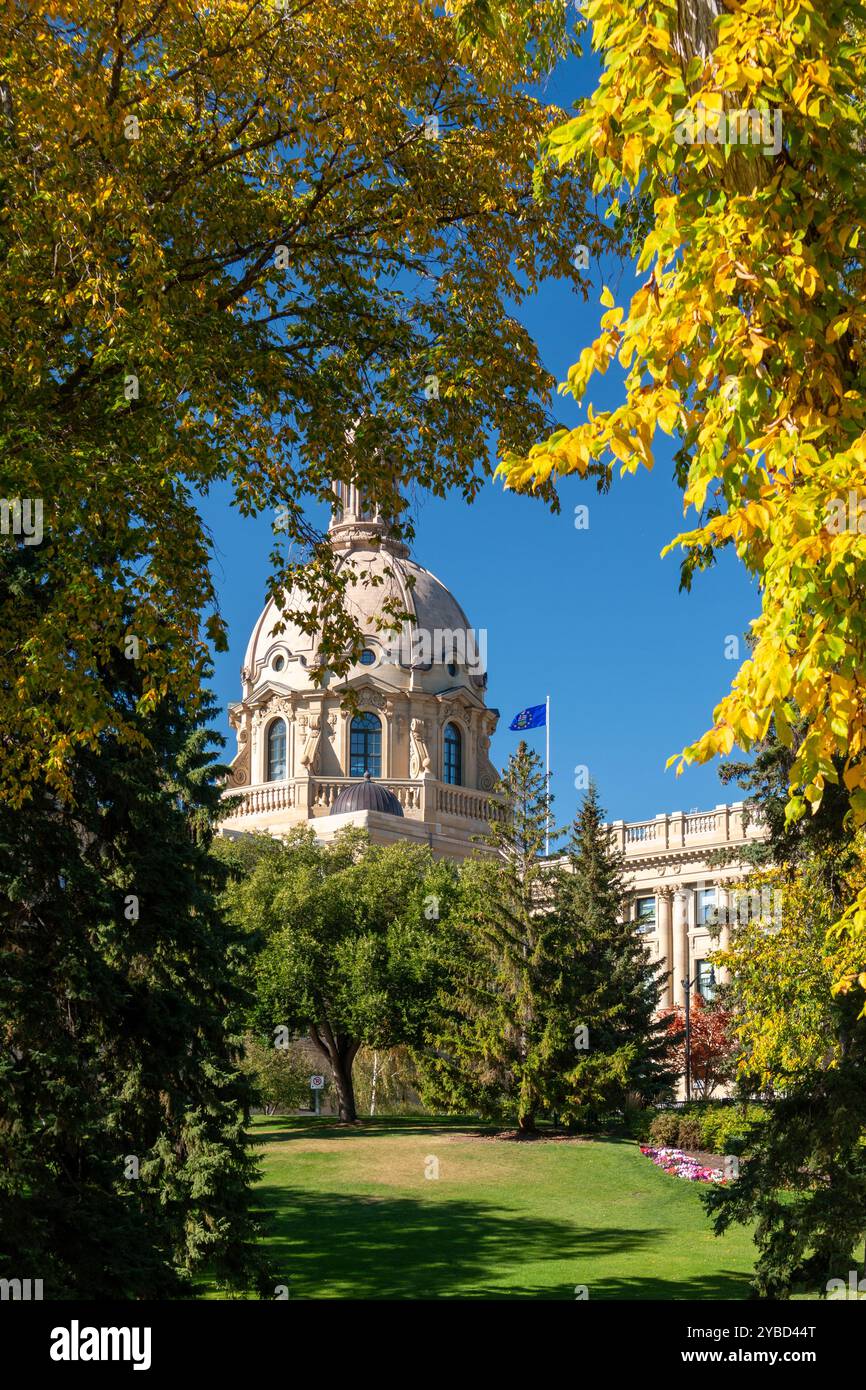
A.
pixel 729 139
pixel 271 241
pixel 349 953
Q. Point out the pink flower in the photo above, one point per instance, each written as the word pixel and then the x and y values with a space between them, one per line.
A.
pixel 679 1165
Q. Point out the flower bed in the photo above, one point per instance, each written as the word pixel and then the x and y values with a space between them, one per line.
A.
pixel 680 1165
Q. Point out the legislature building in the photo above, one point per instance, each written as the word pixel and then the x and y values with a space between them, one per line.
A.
pixel 411 760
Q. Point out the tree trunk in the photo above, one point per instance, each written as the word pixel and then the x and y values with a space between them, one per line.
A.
pixel 340 1050
pixel 345 1089
pixel 526 1122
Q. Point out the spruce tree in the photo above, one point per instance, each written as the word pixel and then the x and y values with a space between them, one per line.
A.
pixel 621 1047
pixel 123 1164
pixel 801 1183
pixel 503 1023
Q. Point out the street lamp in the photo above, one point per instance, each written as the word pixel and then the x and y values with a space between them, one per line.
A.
pixel 687 986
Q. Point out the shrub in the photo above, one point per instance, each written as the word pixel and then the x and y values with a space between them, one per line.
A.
pixel 690 1135
pixel 665 1128
pixel 280 1077
pixel 723 1124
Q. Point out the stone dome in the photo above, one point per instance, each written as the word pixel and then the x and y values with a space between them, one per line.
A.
pixel 383 571
pixel 366 795
pixel 412 742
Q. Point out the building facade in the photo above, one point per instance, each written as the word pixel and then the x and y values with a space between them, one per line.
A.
pixel 411 760
pixel 681 904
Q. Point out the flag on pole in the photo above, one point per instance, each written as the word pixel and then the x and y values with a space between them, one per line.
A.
pixel 535 717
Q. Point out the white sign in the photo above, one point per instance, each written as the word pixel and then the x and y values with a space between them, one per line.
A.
pixel 317 1083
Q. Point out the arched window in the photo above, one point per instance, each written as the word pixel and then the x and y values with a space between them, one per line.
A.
pixel 277 751
pixel 452 760
pixel 365 746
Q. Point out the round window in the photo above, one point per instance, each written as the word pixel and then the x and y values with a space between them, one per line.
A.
pixel 368 657
pixel 278 663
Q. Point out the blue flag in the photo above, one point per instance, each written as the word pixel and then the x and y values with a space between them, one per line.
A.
pixel 533 718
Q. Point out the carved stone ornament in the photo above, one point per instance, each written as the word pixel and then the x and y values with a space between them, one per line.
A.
pixel 420 762
pixel 311 747
pixel 240 773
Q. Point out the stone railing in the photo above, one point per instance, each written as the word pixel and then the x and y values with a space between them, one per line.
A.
pixel 424 799
pixel 681 830
pixel 267 796
pixel 467 803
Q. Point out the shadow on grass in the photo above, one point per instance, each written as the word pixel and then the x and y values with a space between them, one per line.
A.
pixel 722 1284
pixel 324 1244
pixel 280 1129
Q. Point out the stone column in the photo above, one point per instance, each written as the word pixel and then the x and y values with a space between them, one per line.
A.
pixel 680 945
pixel 665 899
pixel 691 928
pixel 724 911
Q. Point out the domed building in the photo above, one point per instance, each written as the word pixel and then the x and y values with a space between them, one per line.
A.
pixel 412 760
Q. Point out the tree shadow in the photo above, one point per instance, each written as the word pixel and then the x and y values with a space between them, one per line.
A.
pixel 366 1247
pixel 281 1129
pixel 719 1286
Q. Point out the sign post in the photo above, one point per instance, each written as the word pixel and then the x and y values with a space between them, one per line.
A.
pixel 316 1085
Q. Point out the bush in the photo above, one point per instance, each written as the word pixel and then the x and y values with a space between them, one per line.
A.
pixel 665 1128
pixel 722 1125
pixel 706 1127
pixel 690 1135
pixel 280 1078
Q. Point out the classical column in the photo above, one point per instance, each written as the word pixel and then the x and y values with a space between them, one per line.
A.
pixel 724 919
pixel 665 897
pixel 680 945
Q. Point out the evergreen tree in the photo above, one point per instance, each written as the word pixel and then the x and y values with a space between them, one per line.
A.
pixel 505 1016
pixel 622 1047
pixel 123 1165
pixel 802 1172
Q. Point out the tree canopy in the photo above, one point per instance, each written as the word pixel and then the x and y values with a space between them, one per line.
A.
pixel 271 241
pixel 349 942
pixel 730 140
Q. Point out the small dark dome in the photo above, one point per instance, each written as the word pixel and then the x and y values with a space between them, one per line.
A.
pixel 366 795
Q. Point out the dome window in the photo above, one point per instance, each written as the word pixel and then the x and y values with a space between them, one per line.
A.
pixel 278 663
pixel 365 746
pixel 451 668
pixel 368 657
pixel 452 757
pixel 277 751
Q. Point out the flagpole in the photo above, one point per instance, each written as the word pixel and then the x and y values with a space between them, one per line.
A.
pixel 547 772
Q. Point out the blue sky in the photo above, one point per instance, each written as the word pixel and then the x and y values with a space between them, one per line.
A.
pixel 591 617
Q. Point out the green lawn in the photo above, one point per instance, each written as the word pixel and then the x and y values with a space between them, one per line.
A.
pixel 352 1215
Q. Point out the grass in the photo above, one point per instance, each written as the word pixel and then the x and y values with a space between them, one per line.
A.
pixel 350 1214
